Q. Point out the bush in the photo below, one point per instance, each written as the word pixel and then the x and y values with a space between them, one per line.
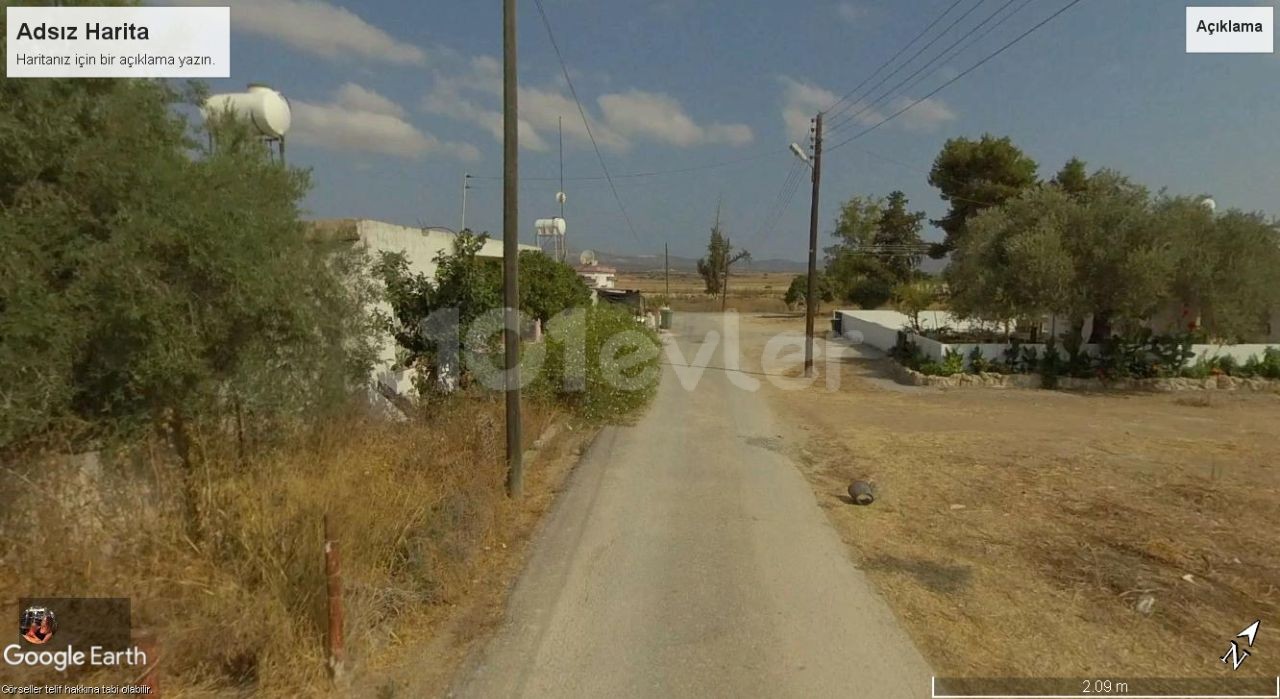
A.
pixel 1051 365
pixel 907 353
pixel 1200 370
pixel 600 363
pixel 1270 365
pixel 978 364
pixel 1172 352
pixel 871 292
pixel 953 362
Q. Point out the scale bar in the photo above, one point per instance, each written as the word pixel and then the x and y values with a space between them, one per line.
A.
pixel 1099 693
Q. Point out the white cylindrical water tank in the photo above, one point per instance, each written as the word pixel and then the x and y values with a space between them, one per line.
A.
pixel 550 226
pixel 265 108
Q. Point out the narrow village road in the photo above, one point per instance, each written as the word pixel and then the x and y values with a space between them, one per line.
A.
pixel 687 557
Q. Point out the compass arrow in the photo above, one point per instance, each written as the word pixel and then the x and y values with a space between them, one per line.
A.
pixel 1250 632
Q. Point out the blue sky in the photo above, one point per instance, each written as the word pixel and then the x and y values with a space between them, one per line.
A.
pixel 395 100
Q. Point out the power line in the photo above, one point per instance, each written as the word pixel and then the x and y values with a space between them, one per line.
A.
pixel 895 56
pixel 585 122
pixel 781 201
pixel 653 173
pixel 973 40
pixel 963 73
pixel 915 55
pixel 887 93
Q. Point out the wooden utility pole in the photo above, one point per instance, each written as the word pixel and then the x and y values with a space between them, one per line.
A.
pixel 724 284
pixel 728 262
pixel 511 248
pixel 666 269
pixel 811 297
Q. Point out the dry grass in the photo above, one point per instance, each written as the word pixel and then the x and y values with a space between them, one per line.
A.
pixel 417 507
pixel 1017 531
pixel 748 292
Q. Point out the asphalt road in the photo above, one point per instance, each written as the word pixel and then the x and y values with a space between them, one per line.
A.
pixel 688 557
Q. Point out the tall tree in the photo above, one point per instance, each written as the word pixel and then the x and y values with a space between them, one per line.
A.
pixel 855 274
pixel 1073 178
pixel 898 236
pixel 714 268
pixel 975 175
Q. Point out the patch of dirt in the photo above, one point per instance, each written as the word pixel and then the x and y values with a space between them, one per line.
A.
pixel 1017 533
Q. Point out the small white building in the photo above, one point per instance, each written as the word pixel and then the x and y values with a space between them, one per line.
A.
pixel 598 277
pixel 420 247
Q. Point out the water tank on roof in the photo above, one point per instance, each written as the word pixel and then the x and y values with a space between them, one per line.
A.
pixel 550 226
pixel 265 108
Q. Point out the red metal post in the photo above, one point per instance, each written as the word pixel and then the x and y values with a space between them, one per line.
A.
pixel 333 578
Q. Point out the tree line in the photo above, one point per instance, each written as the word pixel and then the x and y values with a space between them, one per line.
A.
pixel 1078 245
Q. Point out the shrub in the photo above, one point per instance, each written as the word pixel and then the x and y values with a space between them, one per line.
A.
pixel 1051 365
pixel 600 363
pixel 1172 352
pixel 914 297
pixel 1270 367
pixel 1200 370
pixel 548 287
pixel 953 362
pixel 977 362
pixel 871 292
pixel 1028 360
pixel 1123 358
pixel 1226 364
pixel 908 353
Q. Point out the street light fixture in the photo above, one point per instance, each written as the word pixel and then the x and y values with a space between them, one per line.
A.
pixel 799 153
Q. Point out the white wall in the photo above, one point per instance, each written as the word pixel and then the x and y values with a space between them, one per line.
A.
pixel 1241 353
pixel 420 248
pixel 879 329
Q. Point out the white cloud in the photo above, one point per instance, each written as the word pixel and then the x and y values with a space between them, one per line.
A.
pixel 447 101
pixel 623 118
pixel 926 116
pixel 852 12
pixel 359 119
pixel 544 108
pixel 320 28
pixel 731 134
pixel 661 118
pixel 363 99
pixel 802 100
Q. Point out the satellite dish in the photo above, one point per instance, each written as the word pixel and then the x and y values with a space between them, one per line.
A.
pixel 560 198
pixel 587 258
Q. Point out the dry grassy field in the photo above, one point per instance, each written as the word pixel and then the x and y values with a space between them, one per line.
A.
pixel 749 291
pixel 1023 533
pixel 428 540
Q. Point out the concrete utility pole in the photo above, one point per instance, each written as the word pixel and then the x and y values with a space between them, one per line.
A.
pixel 511 248
pixel 811 297
pixel 666 268
pixel 466 185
